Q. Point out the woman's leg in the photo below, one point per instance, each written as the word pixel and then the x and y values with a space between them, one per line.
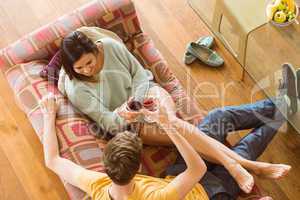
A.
pixel 202 143
pixel 153 135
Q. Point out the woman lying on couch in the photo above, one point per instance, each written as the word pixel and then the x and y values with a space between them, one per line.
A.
pixel 99 76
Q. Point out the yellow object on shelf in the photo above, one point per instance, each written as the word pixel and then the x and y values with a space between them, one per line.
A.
pixel 291 5
pixel 282 12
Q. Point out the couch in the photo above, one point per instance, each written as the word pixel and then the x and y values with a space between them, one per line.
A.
pixel 22 61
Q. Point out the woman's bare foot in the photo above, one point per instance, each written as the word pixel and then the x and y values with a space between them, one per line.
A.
pixel 272 171
pixel 266 198
pixel 244 179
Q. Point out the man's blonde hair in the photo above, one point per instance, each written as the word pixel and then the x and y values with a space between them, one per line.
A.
pixel 122 157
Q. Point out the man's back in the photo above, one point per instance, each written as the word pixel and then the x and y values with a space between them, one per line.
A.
pixel 145 188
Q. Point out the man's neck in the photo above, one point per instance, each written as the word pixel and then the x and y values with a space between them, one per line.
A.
pixel 121 191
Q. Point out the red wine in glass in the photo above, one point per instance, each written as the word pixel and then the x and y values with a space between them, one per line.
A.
pixel 134 105
pixel 149 104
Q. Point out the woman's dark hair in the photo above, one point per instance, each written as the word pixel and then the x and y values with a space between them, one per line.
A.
pixel 73 46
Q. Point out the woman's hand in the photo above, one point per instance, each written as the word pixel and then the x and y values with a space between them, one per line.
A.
pixel 160 115
pixel 129 116
pixel 48 105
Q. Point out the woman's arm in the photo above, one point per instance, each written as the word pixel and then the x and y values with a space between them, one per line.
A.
pixel 92 106
pixel 66 169
pixel 140 76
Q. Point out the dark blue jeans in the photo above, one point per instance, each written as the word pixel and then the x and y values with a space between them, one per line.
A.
pixel 263 117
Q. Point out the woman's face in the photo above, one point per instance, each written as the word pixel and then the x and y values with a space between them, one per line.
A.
pixel 86 65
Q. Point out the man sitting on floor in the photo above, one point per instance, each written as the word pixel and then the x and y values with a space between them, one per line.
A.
pixel 122 159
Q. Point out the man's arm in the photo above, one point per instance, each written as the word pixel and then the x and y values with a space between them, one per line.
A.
pixel 66 169
pixel 196 168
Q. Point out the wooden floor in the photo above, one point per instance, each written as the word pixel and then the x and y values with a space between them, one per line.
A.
pixel 171 24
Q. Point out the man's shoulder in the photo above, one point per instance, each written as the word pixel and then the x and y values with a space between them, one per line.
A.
pixel 145 181
pixel 101 181
pixel 159 188
pixel 95 183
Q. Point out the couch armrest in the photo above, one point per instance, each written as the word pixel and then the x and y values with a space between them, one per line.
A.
pixel 116 15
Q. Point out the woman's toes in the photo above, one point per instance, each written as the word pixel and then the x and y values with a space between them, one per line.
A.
pixel 284 171
pixel 251 184
pixel 248 189
pixel 248 185
pixel 266 198
pixel 274 171
pixel 288 168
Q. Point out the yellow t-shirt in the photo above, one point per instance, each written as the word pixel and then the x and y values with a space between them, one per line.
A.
pixel 145 188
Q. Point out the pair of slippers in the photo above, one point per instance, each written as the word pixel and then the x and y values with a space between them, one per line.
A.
pixel 201 49
pixel 289 87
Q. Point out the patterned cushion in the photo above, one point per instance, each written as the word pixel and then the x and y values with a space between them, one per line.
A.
pixel 75 135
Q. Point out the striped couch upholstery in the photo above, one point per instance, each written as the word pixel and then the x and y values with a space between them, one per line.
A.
pixel 23 60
